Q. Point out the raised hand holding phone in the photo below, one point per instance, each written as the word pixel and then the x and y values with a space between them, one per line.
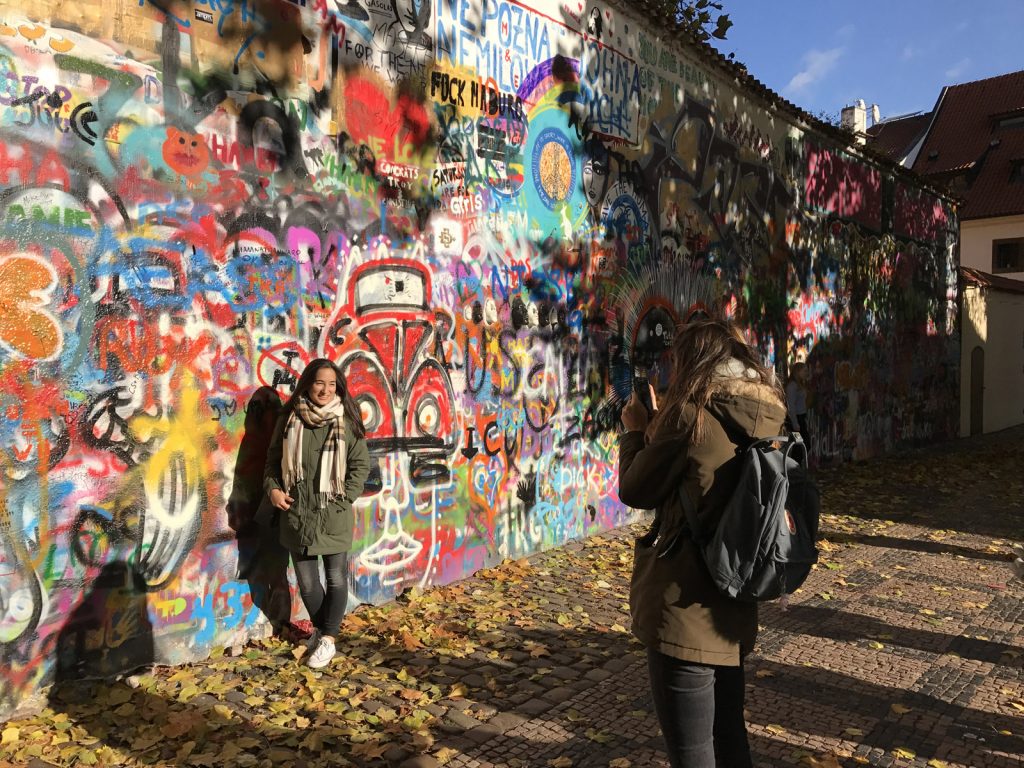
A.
pixel 635 415
pixel 642 388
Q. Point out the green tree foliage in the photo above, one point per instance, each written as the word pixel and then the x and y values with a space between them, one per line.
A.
pixel 704 19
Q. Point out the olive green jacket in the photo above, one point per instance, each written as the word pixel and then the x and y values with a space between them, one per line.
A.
pixel 304 529
pixel 675 606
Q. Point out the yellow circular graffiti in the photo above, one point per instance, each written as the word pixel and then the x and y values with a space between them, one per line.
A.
pixel 555 171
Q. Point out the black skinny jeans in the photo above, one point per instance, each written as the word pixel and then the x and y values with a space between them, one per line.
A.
pixel 326 608
pixel 700 708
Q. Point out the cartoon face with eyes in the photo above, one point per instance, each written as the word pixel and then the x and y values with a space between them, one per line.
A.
pixel 185 153
pixel 596 163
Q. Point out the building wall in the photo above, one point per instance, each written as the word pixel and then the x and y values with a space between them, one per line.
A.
pixel 994 321
pixel 976 238
pixel 455 201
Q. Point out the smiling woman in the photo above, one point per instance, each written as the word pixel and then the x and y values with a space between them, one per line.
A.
pixel 317 466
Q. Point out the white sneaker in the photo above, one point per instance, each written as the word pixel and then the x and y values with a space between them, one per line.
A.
pixel 322 655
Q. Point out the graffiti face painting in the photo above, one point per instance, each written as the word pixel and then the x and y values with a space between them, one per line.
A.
pixel 185 152
pixel 448 200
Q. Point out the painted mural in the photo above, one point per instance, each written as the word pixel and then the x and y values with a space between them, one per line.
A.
pixel 447 199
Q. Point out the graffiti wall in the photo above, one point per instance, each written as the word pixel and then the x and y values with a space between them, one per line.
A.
pixel 449 199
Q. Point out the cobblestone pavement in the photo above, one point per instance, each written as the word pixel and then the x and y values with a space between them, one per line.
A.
pixel 904 648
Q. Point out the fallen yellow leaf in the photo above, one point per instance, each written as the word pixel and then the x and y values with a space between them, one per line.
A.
pixel 458 691
pixel 899 709
pixel 445 755
pixel 560 762
pixel 10 735
pixel 370 749
pixel 184 751
pixel 903 752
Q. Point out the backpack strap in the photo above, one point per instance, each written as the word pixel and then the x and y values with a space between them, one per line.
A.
pixel 692 522
pixel 743 443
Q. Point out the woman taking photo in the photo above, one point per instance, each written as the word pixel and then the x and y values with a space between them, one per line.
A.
pixel 719 396
pixel 316 467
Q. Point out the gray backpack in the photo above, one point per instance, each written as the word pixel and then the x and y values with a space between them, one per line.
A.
pixel 763 545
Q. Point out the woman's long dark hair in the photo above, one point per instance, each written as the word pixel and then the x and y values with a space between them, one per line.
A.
pixel 347 401
pixel 700 348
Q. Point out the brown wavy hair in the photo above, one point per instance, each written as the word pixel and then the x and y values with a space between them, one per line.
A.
pixel 347 401
pixel 700 347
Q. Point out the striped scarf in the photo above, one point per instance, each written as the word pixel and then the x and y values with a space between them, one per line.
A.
pixel 332 459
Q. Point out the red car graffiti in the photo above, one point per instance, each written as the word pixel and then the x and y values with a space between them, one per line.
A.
pixel 389 344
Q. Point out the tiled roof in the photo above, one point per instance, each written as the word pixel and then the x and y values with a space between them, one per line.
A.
pixel 998 190
pixel 985 280
pixel 895 138
pixel 965 137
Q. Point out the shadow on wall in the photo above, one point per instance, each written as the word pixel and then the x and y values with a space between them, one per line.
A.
pixel 109 632
pixel 851 411
pixel 262 561
pixel 884 363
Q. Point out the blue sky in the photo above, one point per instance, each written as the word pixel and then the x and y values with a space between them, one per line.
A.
pixel 825 54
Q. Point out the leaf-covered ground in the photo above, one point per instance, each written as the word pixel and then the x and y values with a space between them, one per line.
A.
pixel 903 649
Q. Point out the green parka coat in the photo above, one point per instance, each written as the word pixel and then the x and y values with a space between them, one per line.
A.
pixel 305 529
pixel 675 606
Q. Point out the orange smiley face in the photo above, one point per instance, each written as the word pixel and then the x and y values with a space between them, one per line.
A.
pixel 184 152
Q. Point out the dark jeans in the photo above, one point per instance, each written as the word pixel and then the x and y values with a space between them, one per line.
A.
pixel 326 608
pixel 700 708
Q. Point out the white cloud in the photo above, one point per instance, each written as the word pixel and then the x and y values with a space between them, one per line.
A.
pixel 817 64
pixel 959 68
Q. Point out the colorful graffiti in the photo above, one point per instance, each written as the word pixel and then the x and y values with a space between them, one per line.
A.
pixel 448 199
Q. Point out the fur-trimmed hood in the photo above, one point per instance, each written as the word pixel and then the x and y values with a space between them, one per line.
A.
pixel 744 405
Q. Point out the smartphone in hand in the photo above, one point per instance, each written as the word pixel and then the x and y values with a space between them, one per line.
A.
pixel 642 388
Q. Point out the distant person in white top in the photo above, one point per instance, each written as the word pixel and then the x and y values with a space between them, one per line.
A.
pixel 796 399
